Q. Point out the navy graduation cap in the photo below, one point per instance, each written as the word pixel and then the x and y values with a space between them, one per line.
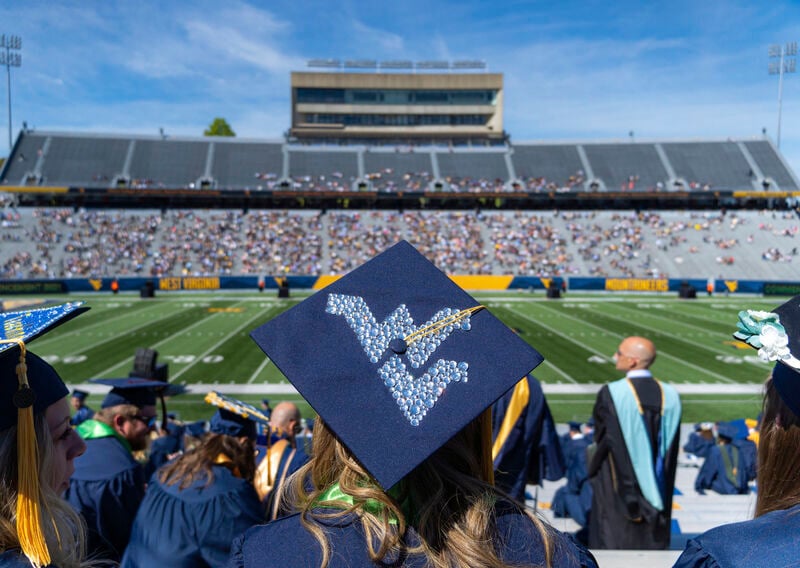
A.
pixel 44 384
pixel 234 417
pixel 396 359
pixel 776 335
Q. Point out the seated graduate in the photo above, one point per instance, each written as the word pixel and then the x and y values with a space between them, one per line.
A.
pixel 196 504
pixel 727 467
pixel 109 483
pixel 165 447
pixel 82 412
pixel 574 499
pixel 526 449
pixel 401 468
pixel 37 449
pixel 701 440
pixel 770 539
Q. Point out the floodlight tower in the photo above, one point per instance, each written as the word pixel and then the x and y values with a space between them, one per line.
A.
pixel 786 64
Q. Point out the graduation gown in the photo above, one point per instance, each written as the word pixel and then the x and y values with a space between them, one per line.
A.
pixel 81 415
pixel 698 445
pixel 15 559
pixel 725 471
pixel 529 450
pixel 193 527
pixel 621 517
pixel 286 542
pixel 574 499
pixel 107 488
pixel 769 540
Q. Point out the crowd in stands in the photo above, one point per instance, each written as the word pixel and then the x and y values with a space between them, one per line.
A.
pixel 59 243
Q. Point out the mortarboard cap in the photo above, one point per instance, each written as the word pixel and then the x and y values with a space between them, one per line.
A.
pixel 44 381
pixel 28 386
pixel 234 417
pixel 130 390
pixel 196 429
pixel 395 351
pixel 574 425
pixel 727 430
pixel 79 394
pixel 776 335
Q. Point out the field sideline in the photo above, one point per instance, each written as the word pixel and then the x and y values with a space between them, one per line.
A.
pixel 204 338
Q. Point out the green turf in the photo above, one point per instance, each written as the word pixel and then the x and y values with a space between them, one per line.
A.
pixel 204 339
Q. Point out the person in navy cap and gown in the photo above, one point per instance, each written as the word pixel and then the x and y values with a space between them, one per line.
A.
pixel 727 467
pixel 574 499
pixel 196 504
pixel 38 447
pixel 526 448
pixel 770 539
pixel 401 366
pixel 108 484
pixel 82 412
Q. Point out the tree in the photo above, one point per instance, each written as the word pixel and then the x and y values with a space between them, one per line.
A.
pixel 219 127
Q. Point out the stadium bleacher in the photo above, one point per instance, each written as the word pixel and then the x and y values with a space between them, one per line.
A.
pixel 100 161
pixel 58 242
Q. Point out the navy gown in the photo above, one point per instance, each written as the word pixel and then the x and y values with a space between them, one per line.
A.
pixel 193 527
pixel 531 452
pixel 286 542
pixel 107 488
pixel 769 540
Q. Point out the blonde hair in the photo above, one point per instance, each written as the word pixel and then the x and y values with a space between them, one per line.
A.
pixel 453 504
pixel 63 528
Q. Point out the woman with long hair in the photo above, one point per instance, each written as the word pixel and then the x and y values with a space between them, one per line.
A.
pixel 770 538
pixel 37 448
pixel 401 470
pixel 196 504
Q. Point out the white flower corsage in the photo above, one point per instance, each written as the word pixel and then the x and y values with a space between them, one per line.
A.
pixel 763 330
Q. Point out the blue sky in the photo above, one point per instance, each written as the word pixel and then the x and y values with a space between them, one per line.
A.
pixel 573 70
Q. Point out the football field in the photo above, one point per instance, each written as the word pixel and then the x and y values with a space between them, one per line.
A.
pixel 204 337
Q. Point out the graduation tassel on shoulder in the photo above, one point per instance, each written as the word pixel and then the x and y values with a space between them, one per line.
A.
pixel 29 526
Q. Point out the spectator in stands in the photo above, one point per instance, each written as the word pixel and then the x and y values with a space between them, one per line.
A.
pixel 770 539
pixel 197 504
pixel 427 497
pixel 37 449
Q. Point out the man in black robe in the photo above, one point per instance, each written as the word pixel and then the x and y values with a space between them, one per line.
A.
pixel 632 469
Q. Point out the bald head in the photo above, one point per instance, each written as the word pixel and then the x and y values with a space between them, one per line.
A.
pixel 635 353
pixel 286 416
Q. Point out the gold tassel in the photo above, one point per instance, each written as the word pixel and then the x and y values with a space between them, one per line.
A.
pixel 29 521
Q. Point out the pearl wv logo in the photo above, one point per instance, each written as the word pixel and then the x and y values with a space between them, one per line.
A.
pixel 414 395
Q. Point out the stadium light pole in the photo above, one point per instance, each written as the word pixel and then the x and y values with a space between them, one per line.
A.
pixel 786 63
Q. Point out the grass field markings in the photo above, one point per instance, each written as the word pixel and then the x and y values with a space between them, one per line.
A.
pixel 77 332
pixel 660 353
pixel 260 368
pixel 560 372
pixel 558 333
pixel 701 345
pixel 227 336
pixel 200 321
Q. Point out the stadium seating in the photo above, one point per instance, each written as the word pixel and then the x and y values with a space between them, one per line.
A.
pixel 101 161
pixel 676 244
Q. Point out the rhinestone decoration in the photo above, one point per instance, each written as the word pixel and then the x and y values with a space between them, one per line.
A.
pixel 414 396
pixel 28 323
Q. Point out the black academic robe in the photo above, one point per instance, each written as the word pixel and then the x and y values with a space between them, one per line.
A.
pixel 621 518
